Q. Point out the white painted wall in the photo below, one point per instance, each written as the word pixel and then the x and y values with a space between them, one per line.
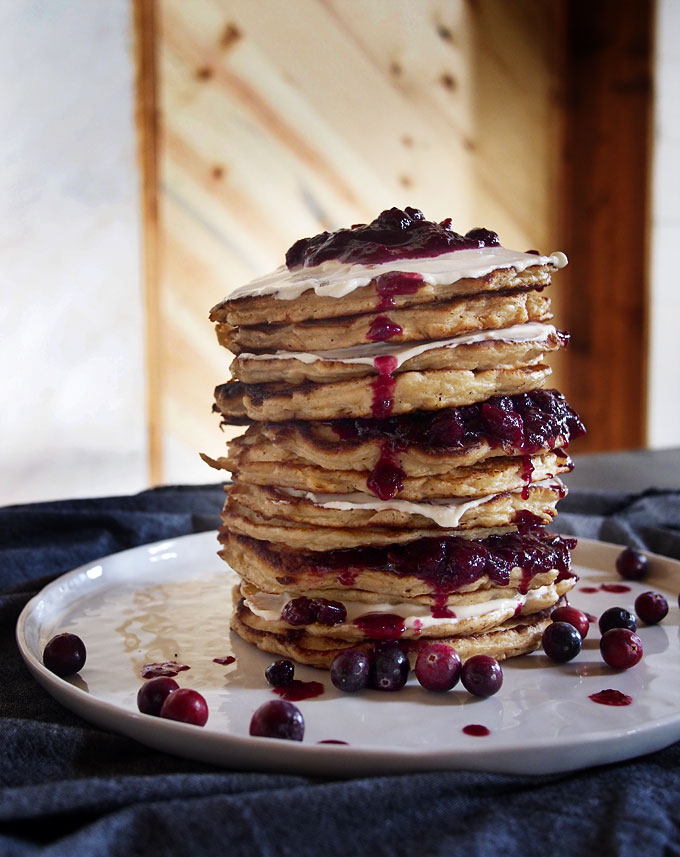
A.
pixel 71 351
pixel 663 428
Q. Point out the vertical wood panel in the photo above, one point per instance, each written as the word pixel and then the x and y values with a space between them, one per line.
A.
pixel 607 147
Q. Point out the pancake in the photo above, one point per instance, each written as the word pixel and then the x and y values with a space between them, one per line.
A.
pixel 457 353
pixel 500 474
pixel 368 397
pixel 268 308
pixel 515 637
pixel 440 320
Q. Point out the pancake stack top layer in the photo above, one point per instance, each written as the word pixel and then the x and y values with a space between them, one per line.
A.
pixel 402 458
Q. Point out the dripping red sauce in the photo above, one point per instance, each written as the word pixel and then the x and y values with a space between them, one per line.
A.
pixel 299 690
pixel 167 668
pixel 381 626
pixel 383 328
pixel 611 697
pixel 396 283
pixel 229 659
pixel 387 478
pixel 439 609
pixel 477 730
pixel 383 387
pixel 616 588
pixel 527 470
pixel 348 577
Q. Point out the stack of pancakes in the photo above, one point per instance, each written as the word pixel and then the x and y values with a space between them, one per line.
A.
pixel 401 458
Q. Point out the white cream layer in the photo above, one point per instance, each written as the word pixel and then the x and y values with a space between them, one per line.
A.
pixel 528 332
pixel 415 616
pixel 337 279
pixel 445 513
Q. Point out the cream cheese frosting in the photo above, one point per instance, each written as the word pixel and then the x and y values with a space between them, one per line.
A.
pixel 337 279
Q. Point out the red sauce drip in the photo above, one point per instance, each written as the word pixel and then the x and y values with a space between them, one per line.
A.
pixel 382 328
pixel 299 690
pixel 417 626
pixel 588 589
pixel 348 577
pixel 615 587
pixel 477 730
pixel 229 659
pixel 518 610
pixel 396 283
pixel 332 741
pixel 381 626
pixel 387 478
pixel 611 697
pixel 526 581
pixel 383 388
pixel 170 668
pixel 439 609
pixel 527 470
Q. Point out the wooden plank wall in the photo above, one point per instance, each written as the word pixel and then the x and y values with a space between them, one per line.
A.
pixel 276 120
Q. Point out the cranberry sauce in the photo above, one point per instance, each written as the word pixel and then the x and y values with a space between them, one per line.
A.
pixel 477 730
pixel 383 328
pixel 298 690
pixel 450 562
pixel 167 668
pixel 225 661
pixel 611 697
pixel 527 470
pixel 387 478
pixel 521 424
pixel 616 588
pixel 393 235
pixel 381 626
pixel 383 387
pixel 394 283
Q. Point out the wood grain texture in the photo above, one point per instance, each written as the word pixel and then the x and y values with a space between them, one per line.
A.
pixel 608 108
pixel 278 120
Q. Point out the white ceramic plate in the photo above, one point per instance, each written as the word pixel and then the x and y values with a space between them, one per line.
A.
pixel 172 600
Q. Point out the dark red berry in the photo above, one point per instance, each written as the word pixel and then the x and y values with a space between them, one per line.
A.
pixel 631 564
pixel 561 642
pixel 187 706
pixel 330 612
pixel 651 607
pixel 299 611
pixel 573 617
pixel 482 675
pixel 621 648
pixel 617 617
pixel 438 666
pixel 278 719
pixel 390 669
pixel 65 654
pixel 280 673
pixel 153 693
pixel 350 670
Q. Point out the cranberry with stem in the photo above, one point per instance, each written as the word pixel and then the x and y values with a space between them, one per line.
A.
pixel 64 654
pixel 621 648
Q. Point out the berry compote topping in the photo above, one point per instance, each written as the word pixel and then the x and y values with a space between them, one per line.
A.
pixel 616 588
pixel 381 626
pixel 170 668
pixel 187 706
pixel 387 478
pixel 573 617
pixel 631 564
pixel 153 693
pixel 621 648
pixel 383 387
pixel 393 235
pixel 617 617
pixel 390 668
pixel 611 697
pixel 394 283
pixel 383 328
pixel 307 611
pixel 350 670
pixel 438 666
pixel 297 690
pixel 280 673
pixel 278 719
pixel 225 661
pixel 482 675
pixel 64 655
pixel 476 730
pixel 651 607
pixel 561 642
pixel 450 562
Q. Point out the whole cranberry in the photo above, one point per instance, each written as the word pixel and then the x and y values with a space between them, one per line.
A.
pixel 482 675
pixel 573 617
pixel 651 607
pixel 64 654
pixel 438 666
pixel 561 641
pixel 187 706
pixel 278 719
pixel 617 617
pixel 351 670
pixel 631 564
pixel 280 673
pixel 153 693
pixel 389 669
pixel 621 648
